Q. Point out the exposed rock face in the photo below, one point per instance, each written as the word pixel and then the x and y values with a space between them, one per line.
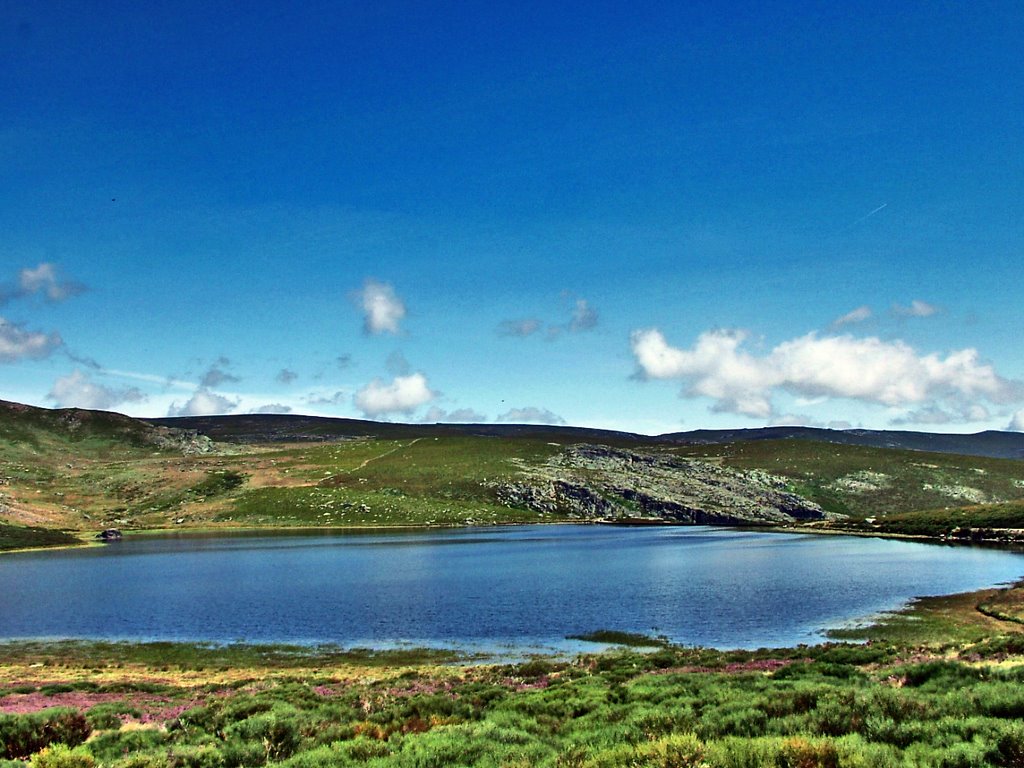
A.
pixel 598 482
pixel 111 534
pixel 188 441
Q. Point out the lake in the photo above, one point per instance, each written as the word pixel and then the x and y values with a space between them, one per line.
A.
pixel 514 588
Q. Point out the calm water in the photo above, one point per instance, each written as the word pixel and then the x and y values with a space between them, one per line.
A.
pixel 513 587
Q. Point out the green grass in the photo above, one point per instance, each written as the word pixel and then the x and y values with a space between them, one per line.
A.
pixel 872 482
pixel 429 481
pixel 625 639
pixel 22 537
pixel 972 522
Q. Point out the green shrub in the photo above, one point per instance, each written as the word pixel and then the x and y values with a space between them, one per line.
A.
pixel 733 752
pixel 62 756
pixel 203 756
pixel 242 754
pixel 23 735
pixel 803 753
pixel 1009 748
pixel 940 675
pixel 110 746
pixel 107 716
pixel 278 731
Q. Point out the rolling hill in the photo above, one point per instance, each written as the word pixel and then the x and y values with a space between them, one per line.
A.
pixel 78 470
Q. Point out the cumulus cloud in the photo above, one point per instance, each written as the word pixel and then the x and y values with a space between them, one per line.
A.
pixel 584 317
pixel 526 326
pixel 77 390
pixel 435 415
pixel 18 344
pixel 934 414
pixel 871 370
pixel 858 315
pixel 531 415
pixel 403 394
pixel 286 376
pixel 216 375
pixel 382 308
pixel 43 280
pixel 203 403
pixel 1017 422
pixel 917 308
pixel 334 398
pixel 272 408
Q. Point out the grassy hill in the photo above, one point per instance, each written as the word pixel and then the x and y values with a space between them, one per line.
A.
pixel 862 481
pixel 81 470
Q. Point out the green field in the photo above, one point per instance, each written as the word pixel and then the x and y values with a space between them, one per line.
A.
pixel 874 482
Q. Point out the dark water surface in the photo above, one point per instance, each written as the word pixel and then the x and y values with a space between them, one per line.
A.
pixel 516 587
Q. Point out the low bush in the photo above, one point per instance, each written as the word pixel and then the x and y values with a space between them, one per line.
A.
pixel 62 756
pixel 24 735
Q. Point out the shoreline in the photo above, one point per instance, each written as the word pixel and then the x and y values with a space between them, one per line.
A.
pixel 89 538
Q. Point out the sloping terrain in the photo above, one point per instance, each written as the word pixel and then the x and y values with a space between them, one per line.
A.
pixel 85 470
pixel 993 444
pixel 862 482
pixel 598 482
pixel 257 428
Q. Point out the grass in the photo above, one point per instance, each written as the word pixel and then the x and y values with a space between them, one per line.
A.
pixel 980 521
pixel 79 470
pixel 624 639
pixel 424 481
pixel 873 482
pixel 25 537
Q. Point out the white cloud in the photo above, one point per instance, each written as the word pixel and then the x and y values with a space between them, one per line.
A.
pixel 45 279
pixel 526 326
pixel 715 368
pixel 934 414
pixel 77 390
pixel 272 408
pixel 1017 422
pixel 382 307
pixel 530 414
pixel 858 315
pixel 16 343
pixel 334 398
pixel 403 395
pixel 584 317
pixel 203 403
pixel 917 308
pixel 870 370
pixel 435 415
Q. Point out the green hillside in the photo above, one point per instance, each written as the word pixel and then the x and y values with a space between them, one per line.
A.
pixel 862 481
pixel 81 470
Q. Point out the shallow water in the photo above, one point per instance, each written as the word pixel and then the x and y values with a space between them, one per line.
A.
pixel 481 588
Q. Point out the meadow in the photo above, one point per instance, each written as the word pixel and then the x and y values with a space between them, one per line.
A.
pixel 939 684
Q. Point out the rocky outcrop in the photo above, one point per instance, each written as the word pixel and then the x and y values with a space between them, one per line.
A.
pixel 604 483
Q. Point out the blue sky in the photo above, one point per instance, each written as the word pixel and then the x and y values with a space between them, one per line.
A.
pixel 645 216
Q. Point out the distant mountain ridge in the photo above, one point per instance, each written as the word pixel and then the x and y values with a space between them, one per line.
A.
pixel 991 443
pixel 287 427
